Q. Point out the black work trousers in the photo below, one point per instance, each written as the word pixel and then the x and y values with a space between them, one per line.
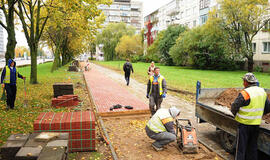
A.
pixel 11 94
pixel 246 147
pixel 127 76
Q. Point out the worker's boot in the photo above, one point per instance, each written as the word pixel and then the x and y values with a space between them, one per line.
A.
pixel 157 148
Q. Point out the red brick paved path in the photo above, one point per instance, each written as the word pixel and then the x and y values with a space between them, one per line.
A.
pixel 106 93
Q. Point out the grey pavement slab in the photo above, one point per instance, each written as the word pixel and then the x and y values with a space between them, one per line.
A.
pixel 18 137
pixel 58 143
pixel 10 148
pixel 28 153
pixel 53 153
pixel 33 143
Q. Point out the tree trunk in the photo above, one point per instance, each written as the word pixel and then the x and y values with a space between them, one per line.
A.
pixel 250 64
pixel 11 43
pixel 57 60
pixel 33 53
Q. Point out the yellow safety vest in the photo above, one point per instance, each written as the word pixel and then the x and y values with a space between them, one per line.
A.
pixel 160 79
pixel 7 76
pixel 155 123
pixel 252 114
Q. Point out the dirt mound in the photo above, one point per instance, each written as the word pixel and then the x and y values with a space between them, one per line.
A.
pixel 227 97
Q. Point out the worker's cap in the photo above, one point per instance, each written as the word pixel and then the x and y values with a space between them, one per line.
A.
pixel 250 78
pixel 174 111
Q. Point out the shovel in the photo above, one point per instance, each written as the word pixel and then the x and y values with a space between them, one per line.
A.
pixel 25 102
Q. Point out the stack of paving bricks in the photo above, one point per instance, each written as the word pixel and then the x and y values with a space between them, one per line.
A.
pixel 60 89
pixel 79 125
pixel 65 100
pixel 26 147
pixel 73 68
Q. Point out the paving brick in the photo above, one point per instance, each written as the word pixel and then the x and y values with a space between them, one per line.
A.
pixel 106 93
pixel 79 125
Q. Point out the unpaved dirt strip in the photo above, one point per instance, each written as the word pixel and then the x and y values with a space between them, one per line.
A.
pixel 131 142
pixel 127 133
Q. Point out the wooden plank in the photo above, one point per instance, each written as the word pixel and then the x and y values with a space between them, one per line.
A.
pixel 123 113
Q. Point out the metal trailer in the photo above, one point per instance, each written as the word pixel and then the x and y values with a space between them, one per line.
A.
pixel 223 119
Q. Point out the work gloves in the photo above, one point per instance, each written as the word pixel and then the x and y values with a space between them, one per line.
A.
pixel 164 95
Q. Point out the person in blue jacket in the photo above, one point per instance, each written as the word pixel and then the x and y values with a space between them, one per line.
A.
pixel 8 80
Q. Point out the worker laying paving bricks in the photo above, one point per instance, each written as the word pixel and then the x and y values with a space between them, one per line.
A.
pixel 127 133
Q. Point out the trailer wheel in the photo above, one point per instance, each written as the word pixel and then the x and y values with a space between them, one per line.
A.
pixel 228 142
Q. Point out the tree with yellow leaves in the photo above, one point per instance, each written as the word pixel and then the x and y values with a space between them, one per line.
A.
pixel 20 50
pixel 129 47
pixel 71 27
pixel 241 20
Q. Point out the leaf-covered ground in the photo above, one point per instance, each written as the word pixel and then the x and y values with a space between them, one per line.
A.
pixel 38 96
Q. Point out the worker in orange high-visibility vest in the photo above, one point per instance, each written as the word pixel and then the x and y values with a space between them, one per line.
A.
pixel 8 80
pixel 248 108
pixel 156 90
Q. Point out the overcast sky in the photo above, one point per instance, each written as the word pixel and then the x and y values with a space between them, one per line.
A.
pixel 148 7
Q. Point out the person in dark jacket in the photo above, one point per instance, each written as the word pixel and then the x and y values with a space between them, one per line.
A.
pixel 248 108
pixel 161 127
pixel 127 69
pixel 8 80
pixel 156 90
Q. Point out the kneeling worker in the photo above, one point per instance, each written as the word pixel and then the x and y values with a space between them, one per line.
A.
pixel 161 127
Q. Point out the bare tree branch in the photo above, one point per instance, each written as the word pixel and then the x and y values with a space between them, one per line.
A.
pixel 4 9
pixel 3 25
pixel 25 11
pixel 24 25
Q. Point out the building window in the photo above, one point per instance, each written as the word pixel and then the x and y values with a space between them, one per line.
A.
pixel 204 4
pixel 194 23
pixel 266 47
pixel 204 18
pixel 254 48
pixel 267 25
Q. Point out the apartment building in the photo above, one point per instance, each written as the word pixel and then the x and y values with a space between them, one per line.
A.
pixel 189 13
pixel 261 49
pixel 176 12
pixel 126 11
pixel 2 49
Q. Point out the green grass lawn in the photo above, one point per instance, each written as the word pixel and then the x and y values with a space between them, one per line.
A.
pixel 39 97
pixel 185 78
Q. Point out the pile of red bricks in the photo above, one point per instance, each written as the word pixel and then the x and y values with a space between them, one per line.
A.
pixel 65 100
pixel 79 125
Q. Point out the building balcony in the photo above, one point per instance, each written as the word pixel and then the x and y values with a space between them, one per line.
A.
pixel 173 11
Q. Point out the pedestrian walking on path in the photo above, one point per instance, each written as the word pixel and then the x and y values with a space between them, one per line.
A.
pixel 8 80
pixel 156 90
pixel 248 108
pixel 151 69
pixel 127 69
pixel 161 127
